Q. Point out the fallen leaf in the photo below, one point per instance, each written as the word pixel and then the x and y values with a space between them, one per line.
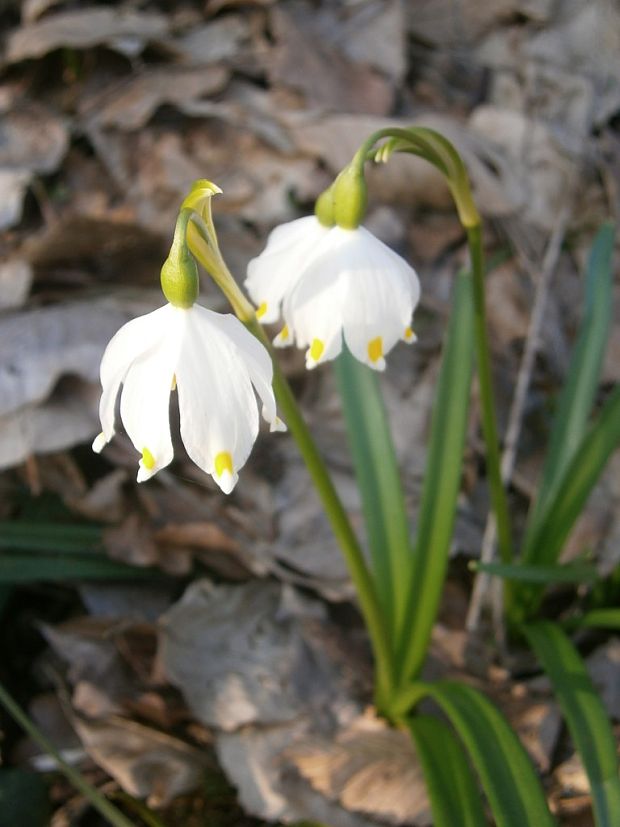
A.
pixel 368 768
pixel 130 104
pixel 120 29
pixel 15 282
pixel 33 139
pixel 38 347
pixel 237 658
pixel 66 418
pixel 305 62
pixel 145 762
pixel 13 186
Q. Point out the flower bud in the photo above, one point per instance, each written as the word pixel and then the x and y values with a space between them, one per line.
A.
pixel 179 274
pixel 350 196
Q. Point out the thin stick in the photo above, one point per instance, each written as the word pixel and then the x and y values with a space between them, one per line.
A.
pixel 484 585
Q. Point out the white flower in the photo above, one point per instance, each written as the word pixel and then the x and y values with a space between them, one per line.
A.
pixel 329 282
pixel 214 364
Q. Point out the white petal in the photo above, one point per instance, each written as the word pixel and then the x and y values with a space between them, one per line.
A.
pixel 314 310
pixel 133 340
pixel 145 397
pixel 99 443
pixel 381 293
pixel 218 409
pixel 274 273
pixel 255 356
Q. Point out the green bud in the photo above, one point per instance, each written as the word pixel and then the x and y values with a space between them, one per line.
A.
pixel 324 208
pixel 350 196
pixel 179 274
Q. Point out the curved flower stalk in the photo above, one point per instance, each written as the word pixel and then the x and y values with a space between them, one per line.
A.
pixel 212 362
pixel 331 283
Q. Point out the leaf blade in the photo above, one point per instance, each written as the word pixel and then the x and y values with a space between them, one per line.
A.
pixel 585 716
pixel 503 766
pixel 454 794
pixel 578 394
pixel 378 480
pixel 441 483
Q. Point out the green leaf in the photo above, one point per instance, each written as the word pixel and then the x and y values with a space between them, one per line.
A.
pixel 569 573
pixel 379 482
pixel 577 398
pixel 585 715
pixel 454 793
pixel 544 544
pixel 510 783
pixel 65 537
pixel 600 619
pixel 23 799
pixel 20 567
pixel 441 484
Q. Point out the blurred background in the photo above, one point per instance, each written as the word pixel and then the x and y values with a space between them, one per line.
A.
pixel 202 652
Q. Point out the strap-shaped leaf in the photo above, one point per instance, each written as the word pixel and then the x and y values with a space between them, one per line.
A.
pixel 577 398
pixel 570 573
pixel 600 619
pixel 455 797
pixel 543 546
pixel 22 567
pixel 511 785
pixel 585 715
pixel 441 483
pixel 379 482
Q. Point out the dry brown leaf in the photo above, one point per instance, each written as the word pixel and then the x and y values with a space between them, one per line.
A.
pixel 218 40
pixel 239 655
pixel 32 139
pixel 105 502
pixel 38 347
pixel 145 762
pixel 66 418
pixel 129 105
pixel 304 62
pixel 15 282
pixel 120 29
pixel 132 542
pixel 13 186
pixel 368 768
pixel 546 173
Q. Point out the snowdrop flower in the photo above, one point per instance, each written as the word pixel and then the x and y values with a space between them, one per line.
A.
pixel 212 362
pixel 330 282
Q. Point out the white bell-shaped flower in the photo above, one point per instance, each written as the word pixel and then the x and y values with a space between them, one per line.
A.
pixel 334 282
pixel 214 364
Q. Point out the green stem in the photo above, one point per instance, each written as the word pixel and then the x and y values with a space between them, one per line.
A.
pixel 499 500
pixel 99 802
pixel 341 526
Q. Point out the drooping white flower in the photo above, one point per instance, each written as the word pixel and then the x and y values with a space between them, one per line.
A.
pixel 214 364
pixel 333 282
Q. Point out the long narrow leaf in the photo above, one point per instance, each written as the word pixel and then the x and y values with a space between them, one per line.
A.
pixel 577 398
pixel 454 793
pixel 63 537
pixel 378 480
pixel 441 484
pixel 505 770
pixel 17 567
pixel 585 715
pixel 570 573
pixel 544 544
pixel 600 619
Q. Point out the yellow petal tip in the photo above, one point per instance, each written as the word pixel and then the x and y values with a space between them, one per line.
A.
pixel 316 349
pixel 375 349
pixel 261 310
pixel 148 460
pixel 223 462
